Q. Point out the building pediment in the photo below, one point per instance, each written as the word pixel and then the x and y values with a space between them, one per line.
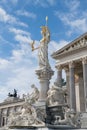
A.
pixel 78 43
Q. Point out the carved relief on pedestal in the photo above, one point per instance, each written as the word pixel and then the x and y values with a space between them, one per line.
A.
pixel 70 118
pixel 55 96
pixel 28 115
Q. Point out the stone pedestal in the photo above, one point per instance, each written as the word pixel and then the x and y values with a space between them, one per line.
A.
pixel 44 75
pixel 84 120
pixel 54 113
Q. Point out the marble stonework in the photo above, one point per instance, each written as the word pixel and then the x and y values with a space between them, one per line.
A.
pixel 8 107
pixel 73 59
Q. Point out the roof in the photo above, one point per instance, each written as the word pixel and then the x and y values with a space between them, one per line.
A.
pixel 11 102
pixel 67 47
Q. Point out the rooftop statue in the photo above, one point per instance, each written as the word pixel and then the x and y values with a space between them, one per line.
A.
pixel 14 94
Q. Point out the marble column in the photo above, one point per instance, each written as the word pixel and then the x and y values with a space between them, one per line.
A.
pixel 59 76
pixel 81 93
pixel 84 61
pixel 7 114
pixel 0 117
pixel 67 85
pixel 72 87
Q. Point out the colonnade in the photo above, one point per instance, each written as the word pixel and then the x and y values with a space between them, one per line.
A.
pixel 70 81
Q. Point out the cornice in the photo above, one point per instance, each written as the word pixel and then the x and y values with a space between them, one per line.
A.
pixel 67 53
pixel 13 102
pixel 79 42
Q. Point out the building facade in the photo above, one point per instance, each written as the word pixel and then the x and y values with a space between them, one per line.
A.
pixel 9 106
pixel 73 59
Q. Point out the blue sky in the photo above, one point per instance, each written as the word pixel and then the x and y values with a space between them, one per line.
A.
pixel 20 22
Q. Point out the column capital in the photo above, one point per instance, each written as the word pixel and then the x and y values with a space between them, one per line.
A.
pixel 44 74
pixel 84 60
pixel 66 69
pixel 71 64
pixel 59 67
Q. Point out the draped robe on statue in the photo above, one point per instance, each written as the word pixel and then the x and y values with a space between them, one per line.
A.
pixel 43 49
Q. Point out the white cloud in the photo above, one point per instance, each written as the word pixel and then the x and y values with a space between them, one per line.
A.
pixel 73 5
pixel 54 46
pixel 4 63
pixel 43 3
pixel 20 79
pixel 51 2
pixel 80 24
pixel 74 18
pixel 22 39
pixel 19 31
pixel 14 1
pixel 19 69
pixel 76 24
pixel 10 1
pixel 27 14
pixel 21 35
pixel 4 17
pixel 7 18
pixel 3 93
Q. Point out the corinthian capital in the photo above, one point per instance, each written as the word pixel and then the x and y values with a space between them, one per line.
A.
pixel 59 67
pixel 66 69
pixel 71 64
pixel 84 60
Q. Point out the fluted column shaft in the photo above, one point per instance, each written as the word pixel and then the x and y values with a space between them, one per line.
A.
pixel 59 76
pixel 67 85
pixel 0 117
pixel 84 61
pixel 72 87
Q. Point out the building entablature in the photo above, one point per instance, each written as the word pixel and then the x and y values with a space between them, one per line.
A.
pixel 73 47
pixel 73 59
pixel 11 104
pixel 71 62
pixel 75 52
